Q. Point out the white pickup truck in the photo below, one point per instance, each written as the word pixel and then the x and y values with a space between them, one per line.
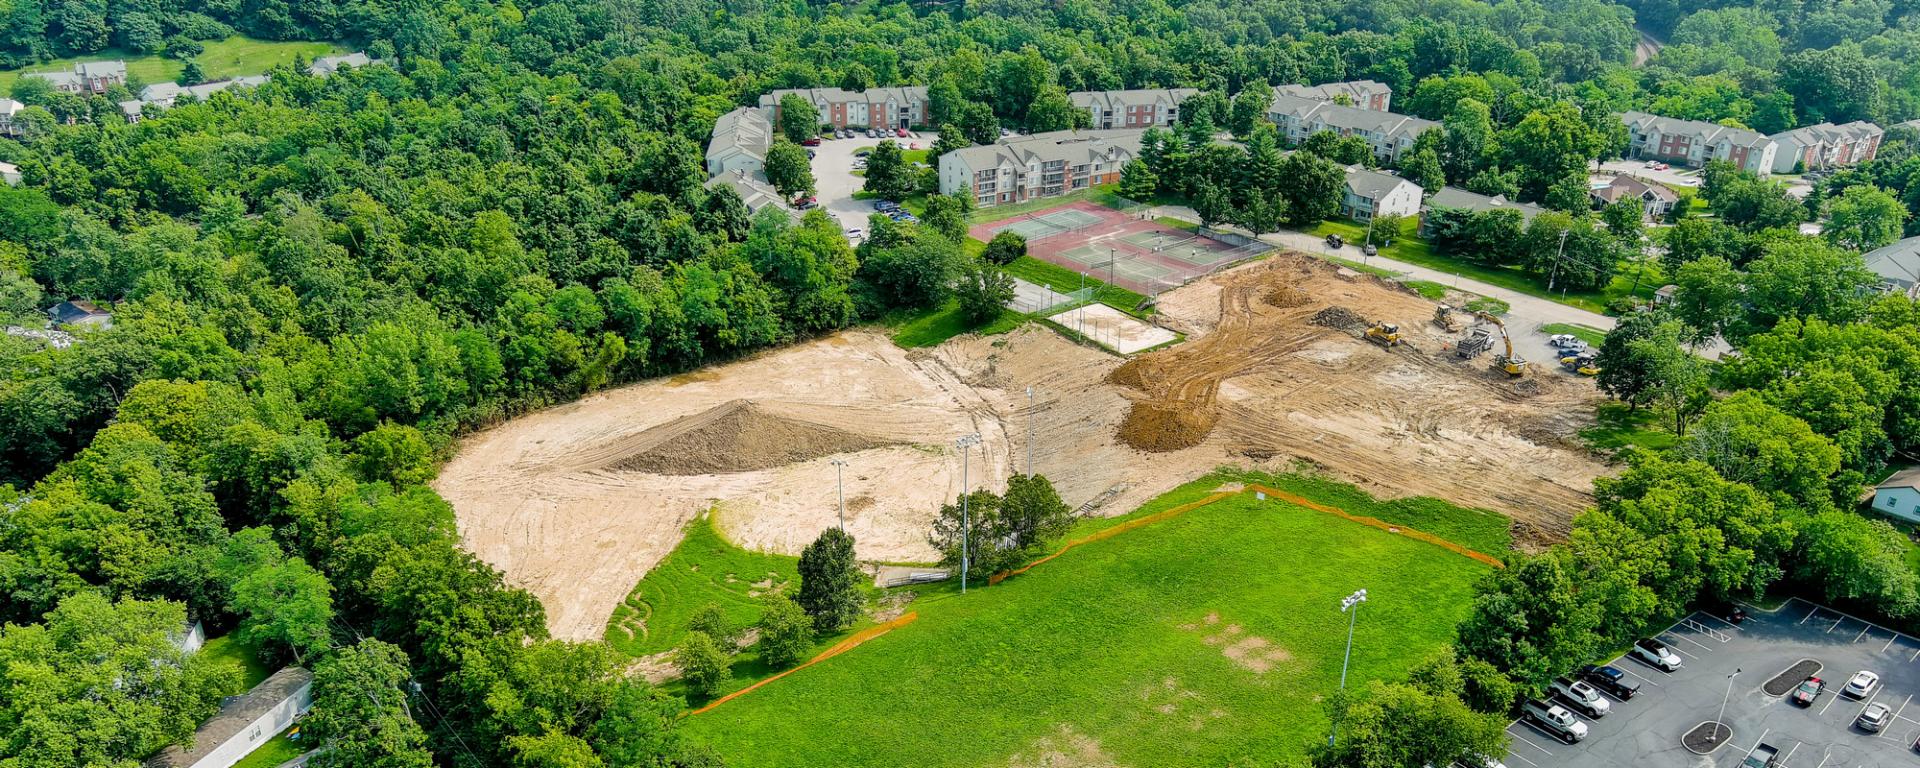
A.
pixel 1581 695
pixel 1556 720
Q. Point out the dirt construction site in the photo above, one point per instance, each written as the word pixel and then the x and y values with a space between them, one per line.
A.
pixel 576 503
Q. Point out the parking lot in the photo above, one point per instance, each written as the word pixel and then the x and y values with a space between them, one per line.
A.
pixel 1647 730
pixel 835 183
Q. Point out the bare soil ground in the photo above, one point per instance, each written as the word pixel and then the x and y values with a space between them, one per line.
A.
pixel 576 503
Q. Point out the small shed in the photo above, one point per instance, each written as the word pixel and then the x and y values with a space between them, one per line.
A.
pixel 244 723
pixel 1899 495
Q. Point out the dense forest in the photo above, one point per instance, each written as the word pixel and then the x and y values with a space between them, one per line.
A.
pixel 318 284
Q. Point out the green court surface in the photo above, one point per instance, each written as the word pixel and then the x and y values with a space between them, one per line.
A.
pixel 1030 228
pixel 1154 241
pixel 1095 259
pixel 1071 218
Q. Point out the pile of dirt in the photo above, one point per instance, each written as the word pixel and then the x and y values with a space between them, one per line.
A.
pixel 1284 296
pixel 1337 317
pixel 736 436
pixel 1130 374
pixel 1167 426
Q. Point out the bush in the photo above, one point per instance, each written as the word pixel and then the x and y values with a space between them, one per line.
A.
pixel 712 622
pixel 703 665
pixel 785 630
pixel 1005 248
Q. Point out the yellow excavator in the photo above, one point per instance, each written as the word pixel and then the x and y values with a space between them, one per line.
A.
pixel 1509 363
pixel 1384 334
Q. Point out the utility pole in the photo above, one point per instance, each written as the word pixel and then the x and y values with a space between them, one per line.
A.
pixel 1557 256
pixel 1113 255
pixel 965 444
pixel 1351 607
pixel 1029 431
pixel 840 487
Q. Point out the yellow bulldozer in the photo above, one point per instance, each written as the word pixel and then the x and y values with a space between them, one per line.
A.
pixel 1384 334
pixel 1585 364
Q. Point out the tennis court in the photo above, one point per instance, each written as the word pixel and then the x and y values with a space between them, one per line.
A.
pixel 1130 251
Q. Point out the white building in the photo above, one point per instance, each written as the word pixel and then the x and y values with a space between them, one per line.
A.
pixel 1899 496
pixel 739 144
pixel 9 174
pixel 1364 94
pixel 1826 145
pixel 1372 193
pixel 754 191
pixel 9 110
pixel 1387 133
pixel 1019 168
pixel 244 723
pixel 86 77
pixel 1141 108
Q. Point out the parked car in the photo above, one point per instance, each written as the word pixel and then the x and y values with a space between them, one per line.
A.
pixel 901 133
pixel 1564 340
pixel 810 141
pixel 1371 250
pixel 1612 680
pixel 1762 756
pixel 1874 718
pixel 1335 241
pixel 885 205
pixel 1729 612
pixel 1556 720
pixel 1808 692
pixel 1656 653
pixel 1582 696
pixel 856 233
pixel 1861 685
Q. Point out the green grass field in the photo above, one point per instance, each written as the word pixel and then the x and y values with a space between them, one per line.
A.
pixel 1066 280
pixel 276 751
pixel 704 568
pixel 1617 427
pixel 1120 649
pixel 222 59
pixel 931 328
pixel 1592 336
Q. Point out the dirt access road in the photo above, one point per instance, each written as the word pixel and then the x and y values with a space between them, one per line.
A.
pixel 576 503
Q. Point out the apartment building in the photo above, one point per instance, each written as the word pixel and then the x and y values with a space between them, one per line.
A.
pixel 1363 94
pixel 1390 134
pixel 9 110
pixel 739 143
pixel 1457 199
pixel 893 107
pixel 1140 108
pixel 1371 193
pixel 1020 168
pixel 165 95
pixel 1824 146
pixel 1693 143
pixel 86 77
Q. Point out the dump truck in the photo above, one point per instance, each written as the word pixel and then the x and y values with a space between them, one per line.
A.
pixel 1477 340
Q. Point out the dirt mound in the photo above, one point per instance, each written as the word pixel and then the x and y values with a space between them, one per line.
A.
pixel 1167 427
pixel 1130 374
pixel 736 436
pixel 1337 317
pixel 1285 296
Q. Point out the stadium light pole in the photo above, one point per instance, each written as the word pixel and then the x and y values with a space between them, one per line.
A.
pixel 1029 431
pixel 1113 255
pixel 840 489
pixel 1717 725
pixel 965 443
pixel 1351 607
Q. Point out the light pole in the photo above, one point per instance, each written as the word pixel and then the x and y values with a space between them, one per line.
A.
pixel 1351 607
pixel 1558 254
pixel 965 443
pixel 840 489
pixel 1029 431
pixel 1113 255
pixel 1717 725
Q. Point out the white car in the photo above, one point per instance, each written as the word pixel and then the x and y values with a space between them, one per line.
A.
pixel 1656 653
pixel 856 234
pixel 1874 718
pixel 1861 684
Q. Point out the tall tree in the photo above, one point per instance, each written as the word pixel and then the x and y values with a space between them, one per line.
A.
pixel 361 710
pixel 788 168
pixel 830 581
pixel 799 118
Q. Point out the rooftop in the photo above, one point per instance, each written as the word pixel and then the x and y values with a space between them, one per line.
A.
pixel 235 713
pixel 1705 132
pixel 1347 118
pixel 1460 199
pixel 1906 478
pixel 1898 263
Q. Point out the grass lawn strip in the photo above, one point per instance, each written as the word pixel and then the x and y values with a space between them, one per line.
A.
pixel 704 569
pixel 1065 280
pixel 1592 336
pixel 223 59
pixel 1202 640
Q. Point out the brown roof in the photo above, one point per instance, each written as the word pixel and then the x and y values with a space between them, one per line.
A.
pixel 1906 478
pixel 1623 187
pixel 235 714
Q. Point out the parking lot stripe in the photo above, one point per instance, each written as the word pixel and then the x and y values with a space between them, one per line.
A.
pixel 1789 758
pixel 1691 640
pixel 1836 624
pixel 1824 758
pixel 1523 759
pixel 1830 700
pixel 1903 706
pixel 1643 678
pixel 1518 738
pixel 1863 632
pixel 1810 614
pixel 1916 655
pixel 1883 649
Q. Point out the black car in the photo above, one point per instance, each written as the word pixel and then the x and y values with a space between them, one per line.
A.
pixel 1335 241
pixel 1612 680
pixel 1729 612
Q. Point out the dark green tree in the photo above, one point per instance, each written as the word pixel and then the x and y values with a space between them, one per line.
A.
pixel 799 119
pixel 786 631
pixel 362 710
pixel 1005 248
pixel 830 581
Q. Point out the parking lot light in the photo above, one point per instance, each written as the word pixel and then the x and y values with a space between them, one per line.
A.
pixel 1351 607
pixel 1717 724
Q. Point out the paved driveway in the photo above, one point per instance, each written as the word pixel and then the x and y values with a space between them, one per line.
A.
pixel 1646 731
pixel 833 175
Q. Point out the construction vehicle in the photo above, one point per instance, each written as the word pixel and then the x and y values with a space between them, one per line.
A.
pixel 1384 334
pixel 1509 363
pixel 1478 340
pixel 1443 317
pixel 1585 363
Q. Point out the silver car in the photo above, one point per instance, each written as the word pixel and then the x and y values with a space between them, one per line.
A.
pixel 1861 684
pixel 1874 718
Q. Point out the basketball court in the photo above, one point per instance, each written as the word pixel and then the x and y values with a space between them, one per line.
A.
pixel 1129 250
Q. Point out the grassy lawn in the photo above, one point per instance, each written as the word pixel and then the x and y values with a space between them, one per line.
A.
pixel 931 328
pixel 1123 643
pixel 276 751
pixel 704 568
pixel 1066 280
pixel 1617 428
pixel 1179 224
pixel 230 650
pixel 1413 250
pixel 232 57
pixel 1489 305
pixel 1103 194
pixel 1428 289
pixel 1592 336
